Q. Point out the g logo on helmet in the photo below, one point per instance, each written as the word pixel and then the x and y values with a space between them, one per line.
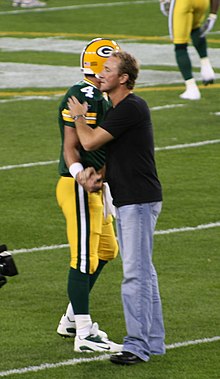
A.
pixel 104 51
pixel 95 54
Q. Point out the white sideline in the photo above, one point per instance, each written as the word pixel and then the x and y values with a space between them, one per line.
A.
pixel 174 147
pixel 72 362
pixel 157 232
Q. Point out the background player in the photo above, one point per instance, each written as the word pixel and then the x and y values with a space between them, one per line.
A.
pixel 185 20
pixel 79 194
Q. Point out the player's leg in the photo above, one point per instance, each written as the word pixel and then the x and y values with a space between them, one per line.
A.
pixel 180 25
pixel 96 340
pixel 73 201
pixel 200 43
pixel 83 212
pixel 108 250
pixel 67 325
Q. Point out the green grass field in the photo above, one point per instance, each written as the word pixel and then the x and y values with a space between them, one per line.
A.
pixel 187 239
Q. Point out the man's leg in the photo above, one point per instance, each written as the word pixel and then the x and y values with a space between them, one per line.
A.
pixel 135 225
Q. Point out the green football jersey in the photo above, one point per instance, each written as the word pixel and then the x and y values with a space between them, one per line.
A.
pixel 97 107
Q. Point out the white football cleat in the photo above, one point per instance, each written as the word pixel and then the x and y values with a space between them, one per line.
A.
pixel 192 91
pixel 16 3
pixel 95 343
pixel 67 328
pixel 190 95
pixel 207 72
pixel 33 4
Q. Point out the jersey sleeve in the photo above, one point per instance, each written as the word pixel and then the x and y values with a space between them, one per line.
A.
pixel 65 113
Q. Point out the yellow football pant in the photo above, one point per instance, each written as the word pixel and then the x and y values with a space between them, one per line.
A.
pixel 184 16
pixel 90 236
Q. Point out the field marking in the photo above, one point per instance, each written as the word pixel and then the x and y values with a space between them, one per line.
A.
pixel 188 228
pixel 195 342
pixel 188 145
pixel 91 35
pixel 80 6
pixel 28 98
pixel 172 147
pixel 24 165
pixel 157 232
pixel 75 361
pixel 137 89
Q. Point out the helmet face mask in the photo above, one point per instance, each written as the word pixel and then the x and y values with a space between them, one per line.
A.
pixel 95 54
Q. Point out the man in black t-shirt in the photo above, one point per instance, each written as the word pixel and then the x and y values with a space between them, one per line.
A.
pixel 137 195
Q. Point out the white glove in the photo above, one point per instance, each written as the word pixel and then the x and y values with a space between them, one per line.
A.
pixel 165 7
pixel 208 25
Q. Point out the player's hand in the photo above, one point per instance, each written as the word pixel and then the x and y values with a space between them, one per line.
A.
pixel 76 108
pixel 90 180
pixel 165 7
pixel 208 24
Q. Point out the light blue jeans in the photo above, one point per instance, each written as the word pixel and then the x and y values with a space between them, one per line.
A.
pixel 140 292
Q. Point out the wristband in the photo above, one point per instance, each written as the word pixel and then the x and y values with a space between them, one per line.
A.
pixel 75 168
pixel 75 118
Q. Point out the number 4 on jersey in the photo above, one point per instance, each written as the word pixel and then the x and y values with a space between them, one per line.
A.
pixel 89 92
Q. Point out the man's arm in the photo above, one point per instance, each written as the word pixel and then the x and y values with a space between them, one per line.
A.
pixel 90 139
pixel 71 146
pixel 89 179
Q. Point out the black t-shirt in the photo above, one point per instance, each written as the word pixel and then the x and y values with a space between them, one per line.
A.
pixel 130 165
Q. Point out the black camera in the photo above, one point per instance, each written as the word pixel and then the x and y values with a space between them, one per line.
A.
pixel 7 265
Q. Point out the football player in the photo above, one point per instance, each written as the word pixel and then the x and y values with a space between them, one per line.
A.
pixel 79 194
pixel 185 22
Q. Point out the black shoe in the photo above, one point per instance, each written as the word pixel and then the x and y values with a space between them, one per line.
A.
pixel 125 358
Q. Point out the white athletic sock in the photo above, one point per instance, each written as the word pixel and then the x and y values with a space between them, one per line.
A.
pixel 205 61
pixel 70 313
pixel 190 84
pixel 83 325
pixel 207 71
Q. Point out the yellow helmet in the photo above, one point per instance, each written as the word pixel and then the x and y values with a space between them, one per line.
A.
pixel 95 54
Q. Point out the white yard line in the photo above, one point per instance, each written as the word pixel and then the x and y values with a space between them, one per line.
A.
pixel 174 147
pixel 188 145
pixel 80 6
pixel 157 232
pixel 24 165
pixel 73 362
pixel 28 98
